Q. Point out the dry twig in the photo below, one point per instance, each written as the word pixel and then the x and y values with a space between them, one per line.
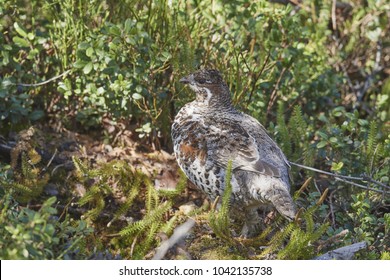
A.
pixel 44 82
pixel 346 179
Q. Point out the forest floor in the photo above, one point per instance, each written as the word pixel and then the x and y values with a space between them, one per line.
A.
pixel 58 146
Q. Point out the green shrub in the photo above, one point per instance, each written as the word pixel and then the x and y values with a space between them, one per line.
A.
pixel 39 234
pixel 318 83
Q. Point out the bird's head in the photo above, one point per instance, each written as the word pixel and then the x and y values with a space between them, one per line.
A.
pixel 208 85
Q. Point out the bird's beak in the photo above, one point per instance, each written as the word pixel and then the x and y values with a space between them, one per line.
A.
pixel 186 80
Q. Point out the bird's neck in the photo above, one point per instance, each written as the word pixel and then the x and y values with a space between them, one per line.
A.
pixel 216 99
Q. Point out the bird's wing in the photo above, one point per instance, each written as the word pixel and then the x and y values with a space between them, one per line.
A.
pixel 231 141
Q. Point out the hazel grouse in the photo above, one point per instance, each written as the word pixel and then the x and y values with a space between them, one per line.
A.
pixel 209 131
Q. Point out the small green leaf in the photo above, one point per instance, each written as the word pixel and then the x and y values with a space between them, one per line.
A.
pixel 337 166
pixel 83 46
pixel 123 103
pixel 88 68
pixel 112 46
pixel 138 88
pixel 89 52
pixel 337 113
pixel 130 40
pixel 79 64
pixel 363 122
pixel 147 128
pixel 323 118
pixel 321 144
pixel 322 135
pixel 32 53
pixel 114 30
pixel 137 96
pixel 128 25
pixel 165 55
pixel 31 36
pixel 20 42
pixel 20 30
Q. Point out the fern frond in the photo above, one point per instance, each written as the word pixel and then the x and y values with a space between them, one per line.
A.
pixel 298 247
pixel 317 234
pixel 169 226
pixel 81 169
pixel 125 206
pixel 373 149
pixel 309 156
pixel 181 185
pixel 135 181
pixel 297 124
pixel 90 195
pixel 219 221
pixel 94 213
pixel 134 228
pixel 22 189
pixel 151 196
pixel 278 239
pixel 26 167
pixel 152 217
pixel 128 178
pixel 260 240
pixel 300 241
pixel 297 131
pixel 142 248
pixel 224 210
pixel 308 216
pixel 95 196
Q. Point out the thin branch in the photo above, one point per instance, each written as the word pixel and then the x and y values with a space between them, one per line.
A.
pixel 133 246
pixel 325 172
pixel 371 180
pixel 259 75
pixel 346 178
pixel 360 186
pixel 44 82
pixel 274 93
pixel 52 158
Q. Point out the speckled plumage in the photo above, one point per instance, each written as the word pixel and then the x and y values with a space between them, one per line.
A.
pixel 209 132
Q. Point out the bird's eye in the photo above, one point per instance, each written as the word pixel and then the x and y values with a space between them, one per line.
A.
pixel 201 81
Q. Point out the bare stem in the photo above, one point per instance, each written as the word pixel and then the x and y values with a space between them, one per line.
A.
pixel 345 179
pixel 44 82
